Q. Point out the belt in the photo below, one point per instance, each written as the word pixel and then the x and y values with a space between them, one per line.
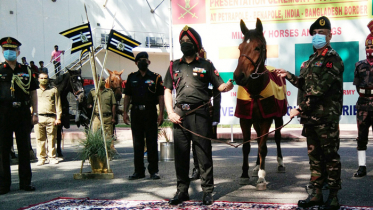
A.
pixel 104 114
pixel 144 107
pixel 364 92
pixel 187 107
pixel 48 115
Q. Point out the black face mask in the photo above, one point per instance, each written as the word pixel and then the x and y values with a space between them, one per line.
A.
pixel 143 65
pixel 187 49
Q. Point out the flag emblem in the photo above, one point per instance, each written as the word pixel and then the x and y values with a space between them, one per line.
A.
pixel 121 44
pixel 81 37
pixel 188 11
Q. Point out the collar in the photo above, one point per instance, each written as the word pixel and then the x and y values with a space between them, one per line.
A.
pixel 197 58
pixel 147 73
pixel 5 64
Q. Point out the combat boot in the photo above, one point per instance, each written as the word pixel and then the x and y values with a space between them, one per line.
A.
pixel 314 199
pixel 362 171
pixel 332 203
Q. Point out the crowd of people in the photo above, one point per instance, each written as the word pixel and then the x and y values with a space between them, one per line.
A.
pixel 185 94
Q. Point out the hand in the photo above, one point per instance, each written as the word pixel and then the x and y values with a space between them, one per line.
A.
pixel 34 120
pixel 113 120
pixel 229 85
pixel 57 122
pixel 126 119
pixel 175 118
pixel 293 113
pixel 160 120
pixel 281 72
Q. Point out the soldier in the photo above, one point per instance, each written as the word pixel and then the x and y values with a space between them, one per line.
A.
pixel 108 106
pixel 190 76
pixel 364 105
pixel 17 93
pixel 144 90
pixel 50 111
pixel 320 109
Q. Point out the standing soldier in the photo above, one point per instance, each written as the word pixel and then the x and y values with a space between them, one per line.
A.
pixel 144 90
pixel 190 76
pixel 17 93
pixel 49 118
pixel 320 109
pixel 108 106
pixel 364 86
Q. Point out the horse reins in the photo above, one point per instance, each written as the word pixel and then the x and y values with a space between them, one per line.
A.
pixel 257 63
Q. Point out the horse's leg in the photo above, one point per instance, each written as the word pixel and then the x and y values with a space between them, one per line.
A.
pixel 278 123
pixel 246 132
pixel 257 164
pixel 59 138
pixel 265 125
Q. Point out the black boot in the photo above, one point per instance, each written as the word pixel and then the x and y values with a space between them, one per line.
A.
pixel 362 171
pixel 315 198
pixel 196 174
pixel 332 203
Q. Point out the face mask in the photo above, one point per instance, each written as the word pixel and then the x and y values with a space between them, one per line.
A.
pixel 369 53
pixel 43 81
pixel 319 41
pixel 187 49
pixel 143 65
pixel 10 55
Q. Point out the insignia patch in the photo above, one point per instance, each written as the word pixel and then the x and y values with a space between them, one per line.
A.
pixel 9 40
pixel 150 82
pixel 202 75
pixel 199 70
pixel 318 64
pixel 322 22
pixel 324 52
pixel 329 65
pixel 216 72
pixel 194 74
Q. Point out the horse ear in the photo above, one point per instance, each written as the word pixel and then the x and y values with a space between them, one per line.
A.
pixel 121 72
pixel 110 72
pixel 259 26
pixel 79 71
pixel 244 29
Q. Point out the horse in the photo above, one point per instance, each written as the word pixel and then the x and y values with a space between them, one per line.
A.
pixel 69 82
pixel 260 100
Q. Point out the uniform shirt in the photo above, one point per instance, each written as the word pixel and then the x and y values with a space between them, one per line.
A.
pixel 6 74
pixel 144 89
pixel 363 78
pixel 192 80
pixel 49 102
pixel 322 80
pixel 107 100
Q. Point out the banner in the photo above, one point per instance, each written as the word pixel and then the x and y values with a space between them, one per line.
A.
pixel 81 37
pixel 121 44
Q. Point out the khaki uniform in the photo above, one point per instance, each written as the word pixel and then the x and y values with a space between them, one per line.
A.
pixel 107 102
pixel 49 110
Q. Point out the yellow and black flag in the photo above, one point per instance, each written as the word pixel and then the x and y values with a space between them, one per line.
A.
pixel 81 37
pixel 121 44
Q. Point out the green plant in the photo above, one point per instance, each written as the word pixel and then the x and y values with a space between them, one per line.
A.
pixel 162 131
pixel 93 145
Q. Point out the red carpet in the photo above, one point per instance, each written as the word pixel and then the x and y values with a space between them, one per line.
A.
pixel 92 204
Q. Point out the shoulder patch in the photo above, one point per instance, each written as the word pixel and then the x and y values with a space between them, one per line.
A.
pixel 329 65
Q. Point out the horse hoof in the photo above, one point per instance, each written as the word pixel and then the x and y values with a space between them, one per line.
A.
pixel 281 169
pixel 261 186
pixel 244 181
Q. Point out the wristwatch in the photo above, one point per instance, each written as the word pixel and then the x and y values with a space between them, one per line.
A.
pixel 299 110
pixel 35 114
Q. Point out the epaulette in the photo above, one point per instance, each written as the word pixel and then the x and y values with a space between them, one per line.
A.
pixel 360 63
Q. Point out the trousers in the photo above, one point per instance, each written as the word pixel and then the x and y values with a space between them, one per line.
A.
pixel 46 133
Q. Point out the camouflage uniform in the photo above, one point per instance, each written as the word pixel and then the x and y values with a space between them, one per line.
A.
pixel 364 105
pixel 321 104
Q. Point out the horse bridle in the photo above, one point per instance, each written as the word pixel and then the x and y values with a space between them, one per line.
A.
pixel 77 92
pixel 256 64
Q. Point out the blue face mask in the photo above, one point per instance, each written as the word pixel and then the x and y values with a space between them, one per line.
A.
pixel 319 41
pixel 10 55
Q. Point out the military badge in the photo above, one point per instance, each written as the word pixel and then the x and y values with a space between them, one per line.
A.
pixel 202 75
pixel 216 72
pixel 185 28
pixel 176 75
pixel 318 64
pixel 9 40
pixel 329 65
pixel 150 82
pixel 322 22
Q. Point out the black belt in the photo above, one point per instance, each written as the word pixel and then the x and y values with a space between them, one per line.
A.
pixel 144 107
pixel 187 107
pixel 48 115
pixel 104 114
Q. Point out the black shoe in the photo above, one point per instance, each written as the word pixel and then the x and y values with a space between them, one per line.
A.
pixel 179 198
pixel 207 199
pixel 154 176
pixel 4 191
pixel 13 155
pixel 362 171
pixel 27 188
pixel 135 176
pixel 309 202
pixel 331 204
pixel 195 175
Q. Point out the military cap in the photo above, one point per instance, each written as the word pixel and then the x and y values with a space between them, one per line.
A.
pixel 9 42
pixel 369 39
pixel 193 36
pixel 321 23
pixel 141 55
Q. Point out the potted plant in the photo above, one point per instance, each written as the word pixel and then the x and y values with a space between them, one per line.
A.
pixel 93 149
pixel 166 148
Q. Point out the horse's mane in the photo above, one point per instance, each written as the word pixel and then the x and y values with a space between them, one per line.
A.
pixel 61 81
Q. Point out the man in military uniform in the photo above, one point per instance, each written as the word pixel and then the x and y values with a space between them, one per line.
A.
pixel 320 109
pixel 190 77
pixel 108 106
pixel 364 105
pixel 17 93
pixel 144 90
pixel 49 118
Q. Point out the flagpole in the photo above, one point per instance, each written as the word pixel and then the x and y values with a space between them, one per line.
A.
pixel 170 33
pixel 94 74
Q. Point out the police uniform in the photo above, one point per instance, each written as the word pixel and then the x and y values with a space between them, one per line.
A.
pixel 321 107
pixel 107 102
pixel 363 80
pixel 144 92
pixel 49 110
pixel 15 116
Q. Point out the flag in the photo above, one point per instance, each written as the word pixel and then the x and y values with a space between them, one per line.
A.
pixel 81 37
pixel 121 44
